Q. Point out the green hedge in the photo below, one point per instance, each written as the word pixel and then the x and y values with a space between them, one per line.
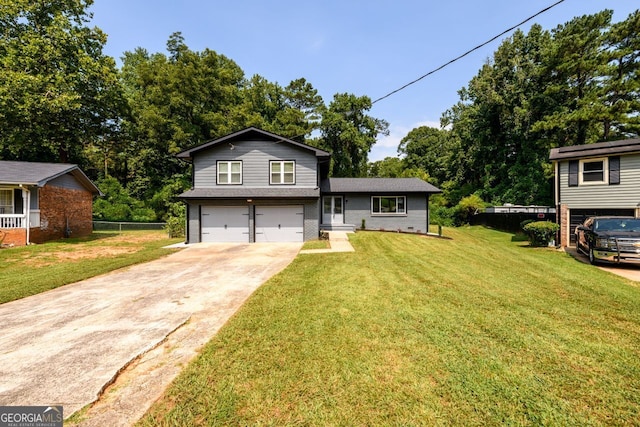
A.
pixel 540 233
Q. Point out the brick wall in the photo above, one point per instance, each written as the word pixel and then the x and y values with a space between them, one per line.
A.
pixel 57 205
pixel 13 236
pixel 565 225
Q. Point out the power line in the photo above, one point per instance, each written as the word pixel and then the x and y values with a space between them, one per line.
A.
pixel 467 52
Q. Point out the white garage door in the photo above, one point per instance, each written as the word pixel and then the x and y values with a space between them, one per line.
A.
pixel 279 223
pixel 225 224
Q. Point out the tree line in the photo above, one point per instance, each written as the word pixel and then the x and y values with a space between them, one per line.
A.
pixel 63 100
pixel 576 84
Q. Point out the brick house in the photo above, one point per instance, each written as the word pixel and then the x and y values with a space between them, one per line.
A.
pixel 44 201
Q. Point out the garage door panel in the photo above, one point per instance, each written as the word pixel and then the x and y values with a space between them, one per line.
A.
pixel 279 223
pixel 225 224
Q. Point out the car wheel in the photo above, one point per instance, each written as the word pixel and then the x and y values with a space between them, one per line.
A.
pixel 592 257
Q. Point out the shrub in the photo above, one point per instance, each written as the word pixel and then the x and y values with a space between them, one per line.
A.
pixel 143 215
pixel 540 233
pixel 525 222
pixel 468 207
pixel 176 220
pixel 442 215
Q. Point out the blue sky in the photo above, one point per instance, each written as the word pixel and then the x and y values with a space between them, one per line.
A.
pixel 361 47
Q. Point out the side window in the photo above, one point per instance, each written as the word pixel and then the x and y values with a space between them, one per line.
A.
pixel 229 172
pixel 593 171
pixel 282 172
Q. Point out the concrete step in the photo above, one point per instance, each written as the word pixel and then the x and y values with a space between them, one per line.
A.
pixel 338 227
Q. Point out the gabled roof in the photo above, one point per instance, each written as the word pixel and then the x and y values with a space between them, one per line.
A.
pixel 625 146
pixel 377 185
pixel 251 133
pixel 36 173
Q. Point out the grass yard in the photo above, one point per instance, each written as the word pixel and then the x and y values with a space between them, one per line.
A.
pixel 29 270
pixel 408 330
pixel 316 244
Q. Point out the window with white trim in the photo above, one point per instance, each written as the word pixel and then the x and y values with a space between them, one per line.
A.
pixel 229 172
pixel 388 205
pixel 6 201
pixel 282 172
pixel 593 171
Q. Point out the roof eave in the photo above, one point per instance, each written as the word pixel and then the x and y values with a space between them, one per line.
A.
pixel 21 183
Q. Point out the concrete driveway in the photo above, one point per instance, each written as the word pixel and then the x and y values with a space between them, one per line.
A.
pixel 627 270
pixel 65 346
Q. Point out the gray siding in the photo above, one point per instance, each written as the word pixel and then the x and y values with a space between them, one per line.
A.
pixel 35 198
pixel 311 211
pixel 620 196
pixel 193 222
pixel 255 157
pixel 358 207
pixel 67 181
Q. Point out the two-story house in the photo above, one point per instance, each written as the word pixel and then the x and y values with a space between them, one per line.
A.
pixel 595 179
pixel 256 186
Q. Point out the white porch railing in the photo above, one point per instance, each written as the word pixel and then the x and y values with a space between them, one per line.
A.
pixel 12 221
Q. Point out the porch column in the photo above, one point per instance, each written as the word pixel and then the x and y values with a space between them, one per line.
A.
pixel 26 211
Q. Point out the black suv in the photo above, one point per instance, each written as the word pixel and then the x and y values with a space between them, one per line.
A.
pixel 609 238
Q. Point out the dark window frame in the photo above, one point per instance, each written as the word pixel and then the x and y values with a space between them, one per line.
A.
pixel 379 206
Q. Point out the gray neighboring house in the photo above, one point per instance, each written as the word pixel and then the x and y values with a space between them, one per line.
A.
pixel 595 179
pixel 256 186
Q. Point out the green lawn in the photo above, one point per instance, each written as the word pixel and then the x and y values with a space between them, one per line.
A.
pixel 409 330
pixel 29 270
pixel 316 244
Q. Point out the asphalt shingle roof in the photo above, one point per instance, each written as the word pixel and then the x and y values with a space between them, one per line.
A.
pixel 37 173
pixel 377 185
pixel 625 146
pixel 239 192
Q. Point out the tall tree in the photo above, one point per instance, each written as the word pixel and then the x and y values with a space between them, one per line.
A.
pixel 621 85
pixel 430 149
pixel 500 151
pixel 576 64
pixel 58 91
pixel 574 85
pixel 292 111
pixel 177 101
pixel 183 98
pixel 349 133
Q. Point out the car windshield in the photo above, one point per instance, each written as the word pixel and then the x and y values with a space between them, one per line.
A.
pixel 618 224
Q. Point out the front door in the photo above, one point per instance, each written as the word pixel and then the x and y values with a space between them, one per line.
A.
pixel 332 210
